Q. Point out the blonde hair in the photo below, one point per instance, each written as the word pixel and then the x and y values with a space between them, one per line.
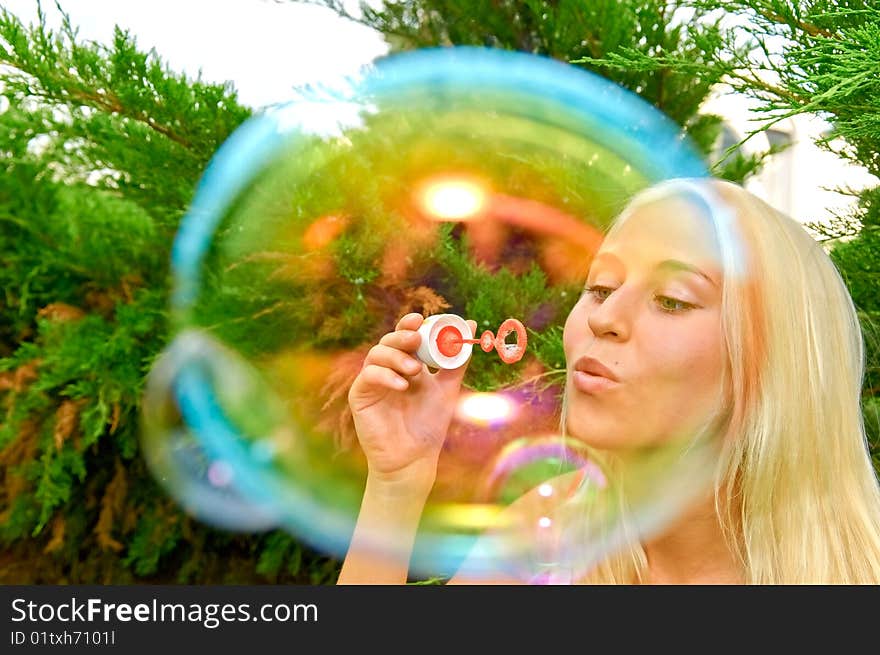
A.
pixel 795 489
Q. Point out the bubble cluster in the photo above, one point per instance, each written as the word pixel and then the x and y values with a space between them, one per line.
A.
pixel 458 181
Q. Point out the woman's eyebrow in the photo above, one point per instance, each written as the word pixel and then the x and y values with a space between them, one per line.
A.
pixel 612 259
pixel 606 256
pixel 678 265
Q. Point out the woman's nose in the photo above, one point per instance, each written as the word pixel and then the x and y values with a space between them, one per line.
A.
pixel 611 319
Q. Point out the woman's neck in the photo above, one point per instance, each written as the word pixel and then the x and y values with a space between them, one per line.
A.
pixel 693 551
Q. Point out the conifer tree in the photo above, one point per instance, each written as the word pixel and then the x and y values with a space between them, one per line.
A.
pixel 823 57
pixel 592 35
pixel 100 149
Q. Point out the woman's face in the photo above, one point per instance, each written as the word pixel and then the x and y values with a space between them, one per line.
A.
pixel 651 316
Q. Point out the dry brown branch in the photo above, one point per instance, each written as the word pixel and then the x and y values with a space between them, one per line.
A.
pixel 112 504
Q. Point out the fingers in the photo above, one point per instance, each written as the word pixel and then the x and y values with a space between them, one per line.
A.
pixel 397 360
pixel 402 339
pixel 411 321
pixel 405 336
pixel 390 363
pixel 388 366
pixel 374 377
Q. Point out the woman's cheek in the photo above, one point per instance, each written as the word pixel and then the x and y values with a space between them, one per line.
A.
pixel 575 328
pixel 690 364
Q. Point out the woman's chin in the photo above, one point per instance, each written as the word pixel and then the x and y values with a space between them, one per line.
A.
pixel 595 437
pixel 608 433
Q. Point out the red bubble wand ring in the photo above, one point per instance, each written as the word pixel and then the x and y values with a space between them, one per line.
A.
pixel 445 346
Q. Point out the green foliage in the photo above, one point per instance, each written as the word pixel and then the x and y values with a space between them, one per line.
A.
pixel 547 346
pixel 827 64
pixel 859 262
pixel 670 53
pixel 100 150
pixel 823 57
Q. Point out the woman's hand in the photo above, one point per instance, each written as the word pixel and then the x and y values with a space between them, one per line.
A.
pixel 401 410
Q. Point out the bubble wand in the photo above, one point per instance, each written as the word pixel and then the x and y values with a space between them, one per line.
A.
pixel 444 344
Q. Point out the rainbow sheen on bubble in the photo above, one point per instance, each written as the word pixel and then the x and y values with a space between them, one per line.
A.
pixel 526 464
pixel 462 180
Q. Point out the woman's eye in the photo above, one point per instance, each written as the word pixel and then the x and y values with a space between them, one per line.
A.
pixel 668 304
pixel 598 292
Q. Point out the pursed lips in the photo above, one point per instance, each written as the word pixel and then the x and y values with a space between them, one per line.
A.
pixel 593 366
pixel 591 376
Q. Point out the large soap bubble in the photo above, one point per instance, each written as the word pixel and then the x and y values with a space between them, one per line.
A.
pixel 466 182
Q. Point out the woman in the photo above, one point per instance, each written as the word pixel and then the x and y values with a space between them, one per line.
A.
pixel 705 312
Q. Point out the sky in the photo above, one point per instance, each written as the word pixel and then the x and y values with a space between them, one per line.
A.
pixel 265 48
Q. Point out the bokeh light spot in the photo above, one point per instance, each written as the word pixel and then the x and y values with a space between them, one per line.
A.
pixel 452 199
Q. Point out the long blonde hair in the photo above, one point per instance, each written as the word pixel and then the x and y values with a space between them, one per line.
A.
pixel 795 489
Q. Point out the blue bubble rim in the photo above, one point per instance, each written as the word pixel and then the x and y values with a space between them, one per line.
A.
pixel 630 126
